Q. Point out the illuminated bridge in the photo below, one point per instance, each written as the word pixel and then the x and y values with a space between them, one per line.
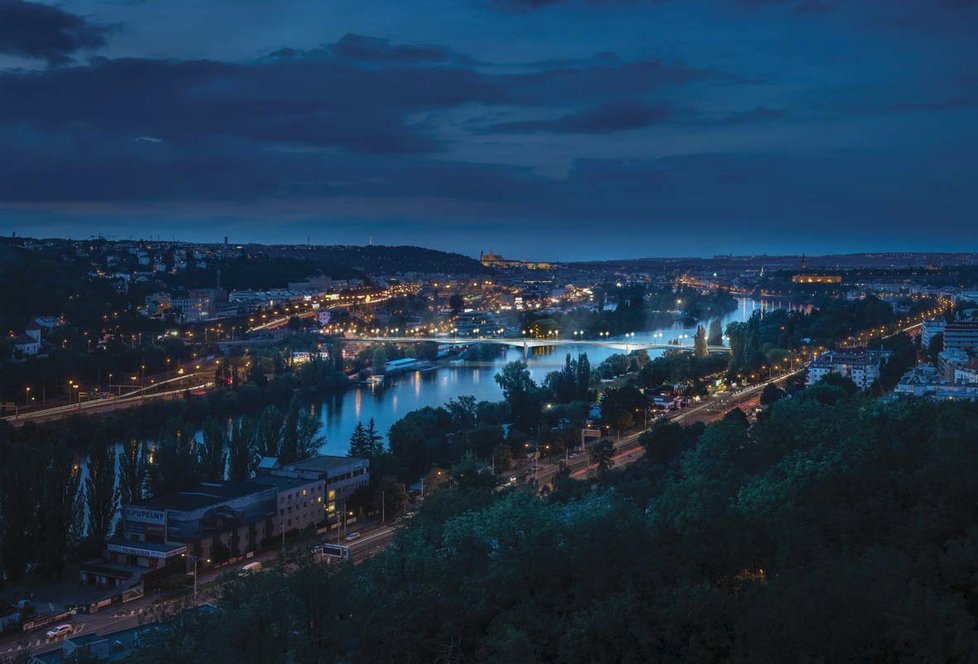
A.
pixel 618 344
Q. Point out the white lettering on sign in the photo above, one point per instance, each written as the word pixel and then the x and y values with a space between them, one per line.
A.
pixel 145 515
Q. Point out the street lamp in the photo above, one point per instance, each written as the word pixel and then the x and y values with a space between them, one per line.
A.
pixel 196 560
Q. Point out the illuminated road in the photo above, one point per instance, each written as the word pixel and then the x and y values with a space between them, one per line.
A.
pixel 627 448
pixel 202 380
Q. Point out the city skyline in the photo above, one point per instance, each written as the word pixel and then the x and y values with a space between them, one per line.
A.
pixel 630 129
pixel 514 254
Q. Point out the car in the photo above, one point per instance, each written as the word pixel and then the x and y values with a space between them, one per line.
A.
pixel 352 536
pixel 59 631
pixel 250 568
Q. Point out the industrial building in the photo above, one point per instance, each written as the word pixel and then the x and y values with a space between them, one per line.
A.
pixel 212 522
pixel 340 475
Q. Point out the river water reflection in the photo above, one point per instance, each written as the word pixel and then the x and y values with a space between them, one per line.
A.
pixel 401 394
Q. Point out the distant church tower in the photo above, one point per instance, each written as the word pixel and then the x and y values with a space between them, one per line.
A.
pixel 804 263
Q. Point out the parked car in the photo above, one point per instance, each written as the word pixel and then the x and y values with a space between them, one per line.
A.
pixel 352 536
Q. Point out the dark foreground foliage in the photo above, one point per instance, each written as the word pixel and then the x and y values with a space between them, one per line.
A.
pixel 837 529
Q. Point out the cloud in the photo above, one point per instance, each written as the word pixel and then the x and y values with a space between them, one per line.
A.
pixel 956 16
pixel 39 31
pixel 605 119
pixel 53 168
pixel 758 114
pixel 813 7
pixel 951 104
pixel 374 49
pixel 524 4
pixel 360 94
pixel 605 77
pixel 313 102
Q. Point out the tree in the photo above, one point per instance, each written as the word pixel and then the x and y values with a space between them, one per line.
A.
pixel 212 452
pixel 521 394
pixel 470 474
pixel 359 447
pixel 378 359
pixel 700 349
pixel 601 453
pixel 375 442
pixel 300 434
pixel 666 442
pixel 101 495
pixel 173 465
pixel 738 417
pixel 463 412
pixel 456 302
pixel 241 449
pixel 770 394
pixel 583 377
pixel 19 499
pixel 613 366
pixel 268 431
pixel 61 512
pixel 482 439
pixel 840 381
pixel 715 337
pixel 745 342
pixel 132 471
pixel 621 407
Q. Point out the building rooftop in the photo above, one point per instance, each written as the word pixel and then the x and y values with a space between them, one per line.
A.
pixel 203 495
pixel 280 482
pixel 326 463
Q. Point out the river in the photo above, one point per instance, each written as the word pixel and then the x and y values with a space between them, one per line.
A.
pixel 399 395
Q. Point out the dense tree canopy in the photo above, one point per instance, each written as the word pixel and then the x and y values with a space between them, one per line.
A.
pixel 837 528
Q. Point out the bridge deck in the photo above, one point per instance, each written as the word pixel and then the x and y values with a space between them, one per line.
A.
pixel 538 343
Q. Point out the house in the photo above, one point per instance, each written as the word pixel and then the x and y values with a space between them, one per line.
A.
pixel 34 331
pixel 26 345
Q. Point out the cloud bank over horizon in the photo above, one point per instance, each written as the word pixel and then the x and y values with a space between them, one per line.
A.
pixel 576 128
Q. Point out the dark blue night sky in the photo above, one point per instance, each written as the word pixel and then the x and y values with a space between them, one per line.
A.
pixel 550 129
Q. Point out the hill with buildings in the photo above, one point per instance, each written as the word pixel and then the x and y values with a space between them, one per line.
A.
pixel 376 259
